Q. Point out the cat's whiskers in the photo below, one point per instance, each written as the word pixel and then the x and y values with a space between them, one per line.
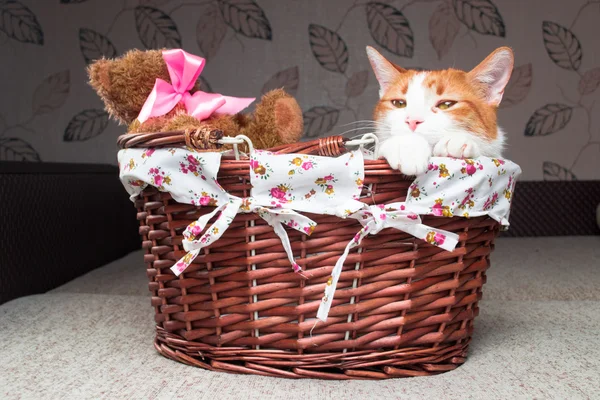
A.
pixel 364 130
pixel 364 127
pixel 368 123
pixel 379 128
pixel 363 121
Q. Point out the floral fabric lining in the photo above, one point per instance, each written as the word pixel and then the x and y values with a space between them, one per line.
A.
pixel 465 188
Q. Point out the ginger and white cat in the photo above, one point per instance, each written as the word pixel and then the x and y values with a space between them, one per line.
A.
pixel 447 113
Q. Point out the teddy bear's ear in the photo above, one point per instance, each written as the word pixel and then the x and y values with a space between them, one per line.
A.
pixel 124 83
pixel 99 80
pixel 277 119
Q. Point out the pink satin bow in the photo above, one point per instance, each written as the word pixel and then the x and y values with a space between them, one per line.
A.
pixel 184 70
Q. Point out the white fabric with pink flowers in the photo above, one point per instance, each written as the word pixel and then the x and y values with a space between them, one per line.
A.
pixel 465 188
pixel 320 185
pixel 283 185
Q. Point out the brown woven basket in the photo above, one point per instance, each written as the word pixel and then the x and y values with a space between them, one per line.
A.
pixel 402 306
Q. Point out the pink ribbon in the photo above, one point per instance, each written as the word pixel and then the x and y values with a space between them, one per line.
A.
pixel 184 70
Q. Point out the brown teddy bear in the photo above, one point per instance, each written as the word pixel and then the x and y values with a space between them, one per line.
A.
pixel 125 83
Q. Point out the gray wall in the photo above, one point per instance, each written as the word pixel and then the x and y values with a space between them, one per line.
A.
pixel 551 110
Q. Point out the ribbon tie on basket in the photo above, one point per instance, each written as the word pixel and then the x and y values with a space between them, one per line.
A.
pixel 194 240
pixel 184 69
pixel 375 219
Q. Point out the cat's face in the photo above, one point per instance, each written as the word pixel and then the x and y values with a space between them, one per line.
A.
pixel 436 103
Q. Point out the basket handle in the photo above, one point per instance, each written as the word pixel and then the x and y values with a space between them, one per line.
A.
pixel 210 140
pixel 206 140
pixel 200 139
pixel 331 146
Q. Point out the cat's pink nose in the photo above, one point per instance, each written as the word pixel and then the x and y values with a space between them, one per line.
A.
pixel 413 122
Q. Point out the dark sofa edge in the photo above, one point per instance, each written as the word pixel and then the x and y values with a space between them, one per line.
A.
pixel 78 216
pixel 19 167
pixel 554 208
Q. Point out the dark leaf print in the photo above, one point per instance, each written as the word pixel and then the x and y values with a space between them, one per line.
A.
pixel 15 149
pixel 443 28
pixel 246 17
pixel 320 120
pixel 562 46
pixel 548 119
pixel 94 45
pixel 554 172
pixel 86 125
pixel 329 48
pixel 481 16
pixel 51 93
pixel 19 23
pixel 590 81
pixel 210 31
pixel 390 29
pixel 156 29
pixel 288 79
pixel 357 83
pixel 203 84
pixel 518 87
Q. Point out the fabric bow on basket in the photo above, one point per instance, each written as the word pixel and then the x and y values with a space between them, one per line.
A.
pixel 194 241
pixel 283 185
pixel 184 70
pixel 374 219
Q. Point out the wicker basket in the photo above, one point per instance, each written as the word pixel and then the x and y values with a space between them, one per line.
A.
pixel 402 307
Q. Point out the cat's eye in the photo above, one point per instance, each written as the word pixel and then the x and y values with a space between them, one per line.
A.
pixel 446 104
pixel 399 103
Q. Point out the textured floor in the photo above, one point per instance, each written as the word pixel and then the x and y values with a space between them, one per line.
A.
pixel 536 337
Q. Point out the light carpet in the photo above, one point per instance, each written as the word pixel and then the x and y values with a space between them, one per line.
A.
pixel 536 337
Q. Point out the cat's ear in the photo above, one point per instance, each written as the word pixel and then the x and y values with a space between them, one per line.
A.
pixel 494 73
pixel 385 72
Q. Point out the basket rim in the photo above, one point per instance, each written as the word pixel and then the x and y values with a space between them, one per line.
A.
pixel 205 140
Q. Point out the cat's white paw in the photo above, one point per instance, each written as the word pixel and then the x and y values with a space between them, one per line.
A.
pixel 457 146
pixel 409 155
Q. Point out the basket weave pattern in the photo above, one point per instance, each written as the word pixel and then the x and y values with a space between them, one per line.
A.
pixel 402 307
